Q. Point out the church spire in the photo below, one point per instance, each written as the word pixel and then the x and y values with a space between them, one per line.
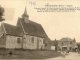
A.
pixel 25 10
pixel 25 16
pixel 25 13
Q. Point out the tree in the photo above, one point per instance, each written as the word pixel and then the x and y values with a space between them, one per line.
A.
pixel 56 45
pixel 1 14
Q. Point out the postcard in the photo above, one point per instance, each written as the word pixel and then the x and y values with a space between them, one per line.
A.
pixel 39 29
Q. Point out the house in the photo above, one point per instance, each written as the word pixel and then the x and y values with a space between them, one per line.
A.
pixel 78 44
pixel 67 44
pixel 54 44
pixel 26 35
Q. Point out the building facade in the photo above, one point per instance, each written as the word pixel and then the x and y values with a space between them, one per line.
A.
pixel 67 44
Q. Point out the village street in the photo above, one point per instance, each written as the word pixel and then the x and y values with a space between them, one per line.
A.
pixel 71 55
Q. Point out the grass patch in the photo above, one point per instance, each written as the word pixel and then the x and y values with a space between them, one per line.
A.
pixel 28 54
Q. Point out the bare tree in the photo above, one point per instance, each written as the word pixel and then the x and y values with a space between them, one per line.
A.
pixel 1 13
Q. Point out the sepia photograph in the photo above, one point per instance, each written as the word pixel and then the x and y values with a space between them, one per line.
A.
pixel 40 29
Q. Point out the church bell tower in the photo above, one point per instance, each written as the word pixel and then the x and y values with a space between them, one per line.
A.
pixel 25 16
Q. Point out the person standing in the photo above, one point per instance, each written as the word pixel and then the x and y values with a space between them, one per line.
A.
pixel 63 53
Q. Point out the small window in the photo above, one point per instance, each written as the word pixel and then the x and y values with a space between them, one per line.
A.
pixel 70 42
pixel 32 39
pixel 45 45
pixel 43 41
pixel 62 42
pixel 39 40
pixel 70 48
pixel 18 40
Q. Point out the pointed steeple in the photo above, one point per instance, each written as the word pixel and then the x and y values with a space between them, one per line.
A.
pixel 25 16
pixel 25 13
pixel 25 10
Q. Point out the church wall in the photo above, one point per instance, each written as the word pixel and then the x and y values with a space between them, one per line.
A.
pixel 13 42
pixel 26 42
pixel 31 42
pixel 2 41
pixel 2 37
pixel 41 45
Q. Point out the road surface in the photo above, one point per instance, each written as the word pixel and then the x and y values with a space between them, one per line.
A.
pixel 70 56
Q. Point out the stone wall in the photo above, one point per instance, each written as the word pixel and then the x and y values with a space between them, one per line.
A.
pixel 2 41
pixel 2 37
pixel 41 45
pixel 28 43
pixel 12 42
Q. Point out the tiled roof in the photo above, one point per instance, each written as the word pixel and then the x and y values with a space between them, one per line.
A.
pixel 12 30
pixel 54 42
pixel 78 43
pixel 33 28
pixel 66 39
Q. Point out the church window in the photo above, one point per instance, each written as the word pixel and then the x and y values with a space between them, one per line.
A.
pixel 18 40
pixel 62 42
pixel 45 45
pixel 32 39
pixel 39 40
pixel 43 41
pixel 70 42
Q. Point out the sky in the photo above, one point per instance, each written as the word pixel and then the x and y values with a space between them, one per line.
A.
pixel 56 24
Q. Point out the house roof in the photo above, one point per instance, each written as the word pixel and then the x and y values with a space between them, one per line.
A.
pixel 78 43
pixel 12 30
pixel 34 29
pixel 66 39
pixel 54 42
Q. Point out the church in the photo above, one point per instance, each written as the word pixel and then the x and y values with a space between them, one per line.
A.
pixel 25 35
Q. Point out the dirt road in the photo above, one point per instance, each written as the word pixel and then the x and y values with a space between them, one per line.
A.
pixel 70 56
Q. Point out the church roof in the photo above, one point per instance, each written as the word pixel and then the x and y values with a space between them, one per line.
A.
pixel 30 28
pixel 33 28
pixel 12 30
